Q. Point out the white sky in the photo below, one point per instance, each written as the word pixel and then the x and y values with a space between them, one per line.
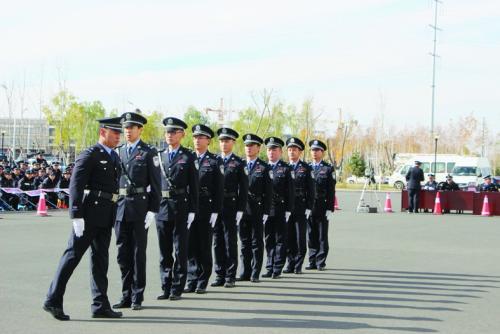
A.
pixel 168 55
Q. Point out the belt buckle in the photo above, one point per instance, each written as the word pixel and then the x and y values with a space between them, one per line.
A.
pixel 122 192
pixel 165 194
pixel 114 198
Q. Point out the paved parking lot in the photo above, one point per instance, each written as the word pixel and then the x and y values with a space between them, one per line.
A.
pixel 387 273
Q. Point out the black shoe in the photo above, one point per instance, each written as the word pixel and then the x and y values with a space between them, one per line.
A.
pixel 311 267
pixel 174 297
pixel 163 296
pixel 229 284
pixel 201 291
pixel 109 313
pixel 189 289
pixel 298 271
pixel 321 268
pixel 217 282
pixel 242 279
pixel 288 271
pixel 267 275
pixel 57 312
pixel 136 306
pixel 255 280
pixel 122 304
pixel 276 276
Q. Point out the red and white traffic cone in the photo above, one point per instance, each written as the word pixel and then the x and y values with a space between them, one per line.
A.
pixel 42 206
pixel 486 207
pixel 437 205
pixel 337 207
pixel 388 204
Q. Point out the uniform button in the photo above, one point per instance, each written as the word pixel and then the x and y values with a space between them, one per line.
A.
pixel 96 202
pixel 104 168
pixel 143 197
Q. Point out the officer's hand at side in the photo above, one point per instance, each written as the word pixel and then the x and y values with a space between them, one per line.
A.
pixel 78 227
pixel 329 216
pixel 239 215
pixel 264 219
pixel 287 216
pixel 190 219
pixel 150 219
pixel 213 219
pixel 308 213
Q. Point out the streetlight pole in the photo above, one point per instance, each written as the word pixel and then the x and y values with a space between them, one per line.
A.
pixel 435 153
pixel 3 135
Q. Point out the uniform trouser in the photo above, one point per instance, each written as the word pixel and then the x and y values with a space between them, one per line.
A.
pixel 11 201
pixel 98 238
pixel 172 235
pixel 413 195
pixel 297 241
pixel 318 240
pixel 226 246
pixel 200 252
pixel 252 246
pixel 131 240
pixel 275 232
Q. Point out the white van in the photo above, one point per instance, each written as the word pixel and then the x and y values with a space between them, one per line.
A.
pixel 444 166
pixel 469 171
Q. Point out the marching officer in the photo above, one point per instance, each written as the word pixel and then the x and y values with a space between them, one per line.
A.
pixel 304 201
pixel 488 185
pixel 211 183
pixel 93 196
pixel 260 196
pixel 235 200
pixel 178 207
pixel 275 229
pixel 136 208
pixel 323 208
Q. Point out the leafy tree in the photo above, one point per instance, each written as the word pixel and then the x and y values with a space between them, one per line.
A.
pixel 357 164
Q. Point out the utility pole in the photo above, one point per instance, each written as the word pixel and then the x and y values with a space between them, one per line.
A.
pixel 434 56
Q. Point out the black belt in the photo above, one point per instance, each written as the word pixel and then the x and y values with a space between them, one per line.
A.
pixel 135 191
pixel 102 194
pixel 300 194
pixel 254 197
pixel 228 195
pixel 172 192
pixel 204 192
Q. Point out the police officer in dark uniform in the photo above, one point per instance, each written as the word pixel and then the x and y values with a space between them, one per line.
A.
pixel 93 196
pixel 50 183
pixel 449 185
pixel 27 183
pixel 488 185
pixel 136 208
pixel 275 229
pixel 431 184
pixel 178 207
pixel 304 201
pixel 414 176
pixel 260 196
pixel 42 175
pixel 323 208
pixel 211 183
pixel 64 184
pixel 235 200
pixel 8 182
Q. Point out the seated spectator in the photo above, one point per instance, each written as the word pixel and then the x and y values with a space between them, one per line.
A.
pixel 8 201
pixel 50 183
pixel 488 185
pixel 41 176
pixel 449 185
pixel 431 184
pixel 64 184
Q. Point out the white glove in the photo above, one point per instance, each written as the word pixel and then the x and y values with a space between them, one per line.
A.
pixel 329 216
pixel 308 213
pixel 78 226
pixel 213 219
pixel 150 218
pixel 239 215
pixel 264 219
pixel 190 219
pixel 287 216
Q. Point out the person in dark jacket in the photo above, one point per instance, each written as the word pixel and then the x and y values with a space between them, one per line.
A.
pixel 50 183
pixel 64 184
pixel 414 176
pixel 488 185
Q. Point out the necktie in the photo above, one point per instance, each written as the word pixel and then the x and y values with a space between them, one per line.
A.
pixel 225 160
pixel 130 149
pixel 250 165
pixel 114 157
pixel 171 156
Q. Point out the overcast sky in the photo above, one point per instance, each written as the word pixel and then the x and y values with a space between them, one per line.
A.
pixel 167 55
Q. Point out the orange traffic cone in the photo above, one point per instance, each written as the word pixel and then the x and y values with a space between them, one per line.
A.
pixel 42 206
pixel 437 205
pixel 388 204
pixel 337 207
pixel 486 207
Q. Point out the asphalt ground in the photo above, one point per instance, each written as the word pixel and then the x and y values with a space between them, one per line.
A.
pixel 387 273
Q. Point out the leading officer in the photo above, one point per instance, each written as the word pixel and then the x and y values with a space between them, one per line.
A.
pixel 136 209
pixel 260 196
pixel 178 207
pixel 93 196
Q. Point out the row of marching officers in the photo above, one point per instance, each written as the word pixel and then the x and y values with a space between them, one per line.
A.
pixel 196 199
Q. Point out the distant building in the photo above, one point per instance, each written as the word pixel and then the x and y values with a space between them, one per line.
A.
pixel 27 135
